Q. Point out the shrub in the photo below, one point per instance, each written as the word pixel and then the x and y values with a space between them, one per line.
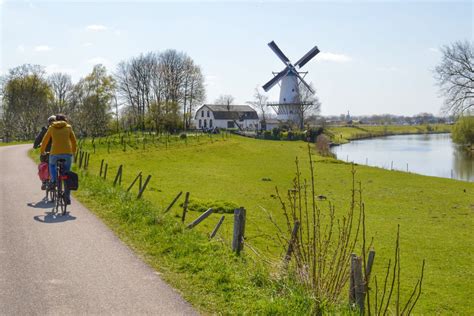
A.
pixel 183 136
pixel 267 135
pixel 276 132
pixel 322 145
pixel 463 131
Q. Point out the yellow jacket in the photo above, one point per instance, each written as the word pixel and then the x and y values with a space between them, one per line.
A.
pixel 63 139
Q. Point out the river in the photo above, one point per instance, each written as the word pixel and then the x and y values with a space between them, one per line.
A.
pixel 427 154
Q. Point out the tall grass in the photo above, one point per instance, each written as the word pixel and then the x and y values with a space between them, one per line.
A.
pixel 323 245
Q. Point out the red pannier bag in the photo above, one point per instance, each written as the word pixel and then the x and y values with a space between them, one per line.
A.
pixel 43 171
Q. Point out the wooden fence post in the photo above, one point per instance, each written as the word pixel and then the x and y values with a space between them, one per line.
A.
pixel 172 203
pixel 142 189
pixel 351 280
pixel 101 166
pixel 200 218
pixel 293 239
pixel 214 232
pixel 105 171
pixel 239 230
pixel 81 157
pixel 359 284
pixel 185 207
pixel 136 178
pixel 118 176
pixel 86 160
pixel 370 263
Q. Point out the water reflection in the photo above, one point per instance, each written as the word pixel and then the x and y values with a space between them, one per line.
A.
pixel 433 155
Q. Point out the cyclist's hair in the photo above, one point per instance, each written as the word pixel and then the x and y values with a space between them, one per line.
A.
pixel 61 117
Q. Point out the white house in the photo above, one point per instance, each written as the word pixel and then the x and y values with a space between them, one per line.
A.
pixel 226 116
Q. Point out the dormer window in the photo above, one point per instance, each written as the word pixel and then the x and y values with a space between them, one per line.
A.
pixel 208 114
pixel 202 113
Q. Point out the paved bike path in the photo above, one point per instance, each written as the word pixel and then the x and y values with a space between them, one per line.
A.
pixel 67 265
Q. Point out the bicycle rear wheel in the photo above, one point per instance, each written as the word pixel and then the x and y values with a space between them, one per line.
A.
pixel 61 204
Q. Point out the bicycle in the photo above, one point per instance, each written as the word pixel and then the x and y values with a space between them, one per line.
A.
pixel 59 194
pixel 47 185
pixel 50 192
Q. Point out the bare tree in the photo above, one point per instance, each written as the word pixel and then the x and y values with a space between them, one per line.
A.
pixel 156 84
pixel 260 102
pixel 225 99
pixel 310 103
pixel 455 76
pixel 61 84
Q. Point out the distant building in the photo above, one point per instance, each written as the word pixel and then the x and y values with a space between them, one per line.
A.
pixel 226 116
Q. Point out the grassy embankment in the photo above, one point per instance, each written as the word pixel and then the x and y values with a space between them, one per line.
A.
pixel 16 143
pixel 436 218
pixel 344 134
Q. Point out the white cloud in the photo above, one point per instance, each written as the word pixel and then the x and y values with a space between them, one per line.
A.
pixel 88 44
pixel 337 58
pixel 96 27
pixel 433 50
pixel 42 48
pixel 20 48
pixel 118 32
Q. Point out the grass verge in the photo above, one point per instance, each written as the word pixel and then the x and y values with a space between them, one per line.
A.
pixel 206 272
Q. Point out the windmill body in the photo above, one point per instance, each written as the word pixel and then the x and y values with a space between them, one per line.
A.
pixel 289 106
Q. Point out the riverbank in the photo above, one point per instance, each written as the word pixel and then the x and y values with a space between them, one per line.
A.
pixel 246 171
pixel 344 134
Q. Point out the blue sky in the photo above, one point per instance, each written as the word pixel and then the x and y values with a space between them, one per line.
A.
pixel 376 57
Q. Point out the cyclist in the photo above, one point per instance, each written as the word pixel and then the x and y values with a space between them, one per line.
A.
pixel 37 143
pixel 63 147
pixel 41 134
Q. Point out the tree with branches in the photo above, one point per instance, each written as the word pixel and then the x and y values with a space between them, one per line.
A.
pixel 310 103
pixel 61 85
pixel 455 76
pixel 225 99
pixel 260 102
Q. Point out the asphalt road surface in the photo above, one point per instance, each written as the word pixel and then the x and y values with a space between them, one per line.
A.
pixel 71 264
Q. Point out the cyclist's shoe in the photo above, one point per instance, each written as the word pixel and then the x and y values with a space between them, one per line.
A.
pixel 43 186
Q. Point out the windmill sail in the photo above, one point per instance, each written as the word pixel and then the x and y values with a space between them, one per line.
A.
pixel 309 55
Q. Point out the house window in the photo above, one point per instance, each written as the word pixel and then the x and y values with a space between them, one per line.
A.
pixel 202 113
pixel 210 123
pixel 230 124
pixel 200 123
pixel 205 123
pixel 208 114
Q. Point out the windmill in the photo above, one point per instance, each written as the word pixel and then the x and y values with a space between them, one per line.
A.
pixel 289 105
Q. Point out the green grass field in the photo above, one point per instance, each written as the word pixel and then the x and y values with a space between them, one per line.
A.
pixel 435 215
pixel 343 134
